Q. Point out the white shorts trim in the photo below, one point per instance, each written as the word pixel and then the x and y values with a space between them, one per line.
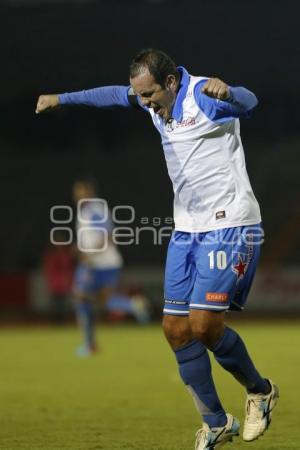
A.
pixel 175 311
pixel 195 306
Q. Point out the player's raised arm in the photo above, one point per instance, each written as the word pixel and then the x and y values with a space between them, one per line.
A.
pixel 220 102
pixel 101 97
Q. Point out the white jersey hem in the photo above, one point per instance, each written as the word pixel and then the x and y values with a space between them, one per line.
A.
pixel 186 229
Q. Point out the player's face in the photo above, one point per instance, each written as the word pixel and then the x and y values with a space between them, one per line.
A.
pixel 153 95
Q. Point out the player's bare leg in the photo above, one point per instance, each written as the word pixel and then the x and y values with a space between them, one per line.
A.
pixel 207 326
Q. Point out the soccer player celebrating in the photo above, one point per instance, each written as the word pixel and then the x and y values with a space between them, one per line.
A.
pixel 214 250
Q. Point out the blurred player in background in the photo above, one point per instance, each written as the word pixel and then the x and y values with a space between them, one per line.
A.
pixel 215 248
pixel 99 261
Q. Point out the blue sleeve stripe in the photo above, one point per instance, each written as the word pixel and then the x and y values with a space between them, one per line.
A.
pixel 239 105
pixel 101 97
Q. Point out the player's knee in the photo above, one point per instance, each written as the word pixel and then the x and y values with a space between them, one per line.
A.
pixel 207 326
pixel 177 331
pixel 207 333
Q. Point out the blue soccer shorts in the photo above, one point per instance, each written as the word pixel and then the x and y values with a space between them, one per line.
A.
pixel 89 280
pixel 211 271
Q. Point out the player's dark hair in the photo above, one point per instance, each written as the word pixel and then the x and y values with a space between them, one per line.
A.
pixel 159 64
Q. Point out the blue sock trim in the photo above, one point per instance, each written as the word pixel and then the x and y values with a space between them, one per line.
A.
pixel 190 351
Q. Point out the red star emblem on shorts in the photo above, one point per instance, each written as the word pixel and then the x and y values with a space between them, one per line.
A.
pixel 240 268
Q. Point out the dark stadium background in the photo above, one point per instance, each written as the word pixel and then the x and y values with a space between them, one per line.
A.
pixel 57 46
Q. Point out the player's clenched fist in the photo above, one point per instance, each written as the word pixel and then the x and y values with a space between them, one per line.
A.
pixel 216 88
pixel 46 103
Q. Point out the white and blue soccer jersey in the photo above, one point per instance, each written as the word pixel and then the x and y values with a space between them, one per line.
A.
pixel 214 251
pixel 94 227
pixel 102 261
pixel 203 151
pixel 212 193
pixel 205 160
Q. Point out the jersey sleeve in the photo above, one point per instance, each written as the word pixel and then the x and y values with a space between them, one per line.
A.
pixel 240 104
pixel 101 97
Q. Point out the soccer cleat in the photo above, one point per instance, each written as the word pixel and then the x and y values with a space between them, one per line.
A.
pixel 259 409
pixel 84 351
pixel 213 438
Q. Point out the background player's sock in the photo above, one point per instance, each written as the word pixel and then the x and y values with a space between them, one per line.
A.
pixel 232 355
pixel 195 370
pixel 85 318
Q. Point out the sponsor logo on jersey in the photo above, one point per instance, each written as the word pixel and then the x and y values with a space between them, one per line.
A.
pixel 172 124
pixel 220 215
pixel 219 297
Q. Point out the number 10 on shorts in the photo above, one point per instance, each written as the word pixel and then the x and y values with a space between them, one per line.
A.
pixel 217 259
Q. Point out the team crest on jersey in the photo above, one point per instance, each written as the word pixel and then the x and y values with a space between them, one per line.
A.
pixel 242 259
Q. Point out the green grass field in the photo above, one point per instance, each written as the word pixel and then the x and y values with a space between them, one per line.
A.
pixel 129 396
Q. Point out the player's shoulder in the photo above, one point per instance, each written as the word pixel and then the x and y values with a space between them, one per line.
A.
pixel 194 88
pixel 196 80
